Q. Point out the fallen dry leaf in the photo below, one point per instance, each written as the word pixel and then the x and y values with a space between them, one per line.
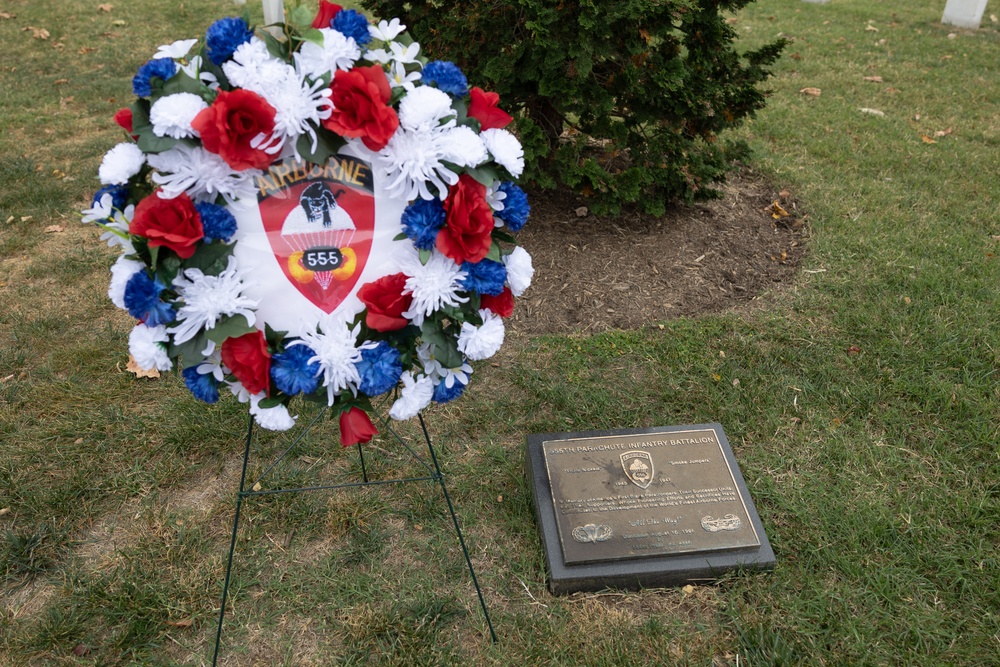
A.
pixel 952 35
pixel 55 229
pixel 688 589
pixel 994 19
pixel 777 212
pixel 916 116
pixel 83 50
pixel 907 299
pixel 133 367
pixel 873 79
pixel 105 8
pixel 185 623
pixel 732 20
pixel 926 139
pixel 873 112
pixel 944 133
pixel 60 82
pixel 5 510
pixel 946 57
pixel 6 16
pixel 581 212
pixel 37 33
pixel 81 650
pixel 814 92
pixel 870 28
pixel 118 22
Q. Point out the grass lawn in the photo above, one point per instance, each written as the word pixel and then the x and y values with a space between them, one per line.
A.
pixel 865 416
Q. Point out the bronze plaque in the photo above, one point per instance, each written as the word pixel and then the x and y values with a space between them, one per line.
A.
pixel 631 496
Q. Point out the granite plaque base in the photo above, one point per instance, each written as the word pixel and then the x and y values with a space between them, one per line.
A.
pixel 642 508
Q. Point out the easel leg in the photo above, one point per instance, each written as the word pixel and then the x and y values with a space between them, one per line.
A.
pixel 458 530
pixel 232 544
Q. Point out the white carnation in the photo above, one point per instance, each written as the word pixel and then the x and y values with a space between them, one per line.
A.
pixel 121 272
pixel 338 52
pixel 271 419
pixel 519 270
pixel 424 108
pixel 505 149
pixel 172 115
pixel 120 164
pixel 462 146
pixel 481 342
pixel 414 397
pixel 147 347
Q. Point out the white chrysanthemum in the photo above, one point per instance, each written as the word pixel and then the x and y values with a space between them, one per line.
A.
pixel 271 419
pixel 175 50
pixel 462 146
pixel 414 397
pixel 299 105
pixel 412 163
pixel 519 270
pixel 424 109
pixel 337 52
pixel 337 352
pixel 386 30
pixel 208 299
pixel 505 149
pixel 146 345
pixel 433 285
pixel 400 78
pixel 481 342
pixel 203 175
pixel 171 115
pixel 120 164
pixel 121 272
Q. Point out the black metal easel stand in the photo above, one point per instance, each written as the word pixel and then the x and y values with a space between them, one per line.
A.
pixel 433 475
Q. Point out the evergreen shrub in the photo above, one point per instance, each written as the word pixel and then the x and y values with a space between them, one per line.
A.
pixel 620 100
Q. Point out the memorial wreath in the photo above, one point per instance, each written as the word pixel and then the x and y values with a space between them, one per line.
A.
pixel 320 211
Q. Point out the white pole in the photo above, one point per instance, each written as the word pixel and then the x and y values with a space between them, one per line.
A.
pixel 964 13
pixel 274 12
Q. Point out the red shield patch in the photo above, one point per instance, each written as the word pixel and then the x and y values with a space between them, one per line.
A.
pixel 320 222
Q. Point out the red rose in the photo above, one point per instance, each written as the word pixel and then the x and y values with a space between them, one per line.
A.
pixel 386 302
pixel 466 236
pixel 327 10
pixel 234 120
pixel 502 304
pixel 483 107
pixel 173 223
pixel 124 119
pixel 360 100
pixel 247 357
pixel 355 427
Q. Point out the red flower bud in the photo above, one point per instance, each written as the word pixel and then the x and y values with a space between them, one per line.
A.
pixel 483 107
pixel 355 427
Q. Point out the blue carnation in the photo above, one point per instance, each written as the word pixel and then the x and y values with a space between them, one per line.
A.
pixel 204 387
pixel 421 221
pixel 142 299
pixel 443 394
pixel 515 206
pixel 379 369
pixel 351 23
pixel 216 221
pixel 485 277
pixel 225 36
pixel 446 76
pixel 293 373
pixel 160 68
pixel 119 196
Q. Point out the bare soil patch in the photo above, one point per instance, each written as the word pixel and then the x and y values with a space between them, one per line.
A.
pixel 632 271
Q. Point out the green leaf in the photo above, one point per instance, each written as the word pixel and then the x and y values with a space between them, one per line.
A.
pixel 503 236
pixel 327 145
pixel 494 252
pixel 445 345
pixel 400 237
pixel 275 46
pixel 487 175
pixel 313 35
pixel 182 83
pixel 231 327
pixel 154 253
pixel 271 402
pixel 211 258
pixel 425 256
pixel 301 17
pixel 191 351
